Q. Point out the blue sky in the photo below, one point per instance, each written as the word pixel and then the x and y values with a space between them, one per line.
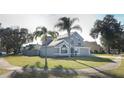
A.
pixel 31 21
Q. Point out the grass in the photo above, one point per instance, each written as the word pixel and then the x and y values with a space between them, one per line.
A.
pixel 2 71
pixel 110 56
pixel 115 73
pixel 75 62
pixel 119 72
pixel 22 60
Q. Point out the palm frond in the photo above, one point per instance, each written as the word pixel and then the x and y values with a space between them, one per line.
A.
pixel 40 31
pixel 44 29
pixel 38 34
pixel 73 20
pixel 53 34
pixel 64 19
pixel 59 25
pixel 63 24
pixel 77 27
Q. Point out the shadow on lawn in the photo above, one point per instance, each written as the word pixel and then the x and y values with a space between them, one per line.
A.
pixel 95 75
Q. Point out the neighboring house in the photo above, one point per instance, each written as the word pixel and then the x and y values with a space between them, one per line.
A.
pixel 60 46
pixel 94 47
pixel 31 49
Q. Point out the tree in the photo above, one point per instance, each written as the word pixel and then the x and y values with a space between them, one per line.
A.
pixel 30 38
pixel 43 33
pixel 19 36
pixel 13 38
pixel 110 30
pixel 66 23
pixel 6 40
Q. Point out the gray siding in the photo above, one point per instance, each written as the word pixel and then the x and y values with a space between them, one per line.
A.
pixel 51 51
pixel 85 51
pixel 31 52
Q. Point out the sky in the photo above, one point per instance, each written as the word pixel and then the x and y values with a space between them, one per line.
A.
pixel 31 21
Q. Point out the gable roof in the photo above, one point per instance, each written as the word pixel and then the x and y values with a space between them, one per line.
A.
pixel 61 39
pixel 55 42
pixel 66 35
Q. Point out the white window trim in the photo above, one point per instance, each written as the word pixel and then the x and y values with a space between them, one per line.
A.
pixel 61 48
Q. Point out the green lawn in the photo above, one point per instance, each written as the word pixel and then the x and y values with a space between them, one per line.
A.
pixel 75 62
pixel 2 71
pixel 110 56
pixel 119 72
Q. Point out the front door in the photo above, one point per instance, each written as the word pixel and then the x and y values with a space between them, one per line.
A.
pixel 72 52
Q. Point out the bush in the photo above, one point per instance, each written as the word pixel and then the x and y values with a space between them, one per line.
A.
pixel 35 72
pixel 59 71
pixel 30 74
pixel 38 65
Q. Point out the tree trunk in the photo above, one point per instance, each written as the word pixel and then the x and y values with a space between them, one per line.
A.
pixel 109 50
pixel 7 50
pixel 46 65
pixel 119 51
pixel 69 43
pixel 15 51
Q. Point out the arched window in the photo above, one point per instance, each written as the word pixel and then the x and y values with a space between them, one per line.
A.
pixel 64 49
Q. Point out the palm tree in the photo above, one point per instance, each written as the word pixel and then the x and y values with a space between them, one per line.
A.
pixel 66 23
pixel 43 33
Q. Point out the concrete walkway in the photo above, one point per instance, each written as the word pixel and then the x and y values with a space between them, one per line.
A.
pixel 5 65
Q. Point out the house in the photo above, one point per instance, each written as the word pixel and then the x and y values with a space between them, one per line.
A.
pixel 94 47
pixel 60 46
pixel 31 49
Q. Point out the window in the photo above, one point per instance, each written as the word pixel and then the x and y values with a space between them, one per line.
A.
pixel 79 44
pixel 64 49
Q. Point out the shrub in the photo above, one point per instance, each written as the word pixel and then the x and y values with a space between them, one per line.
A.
pixel 38 64
pixel 59 71
pixel 35 72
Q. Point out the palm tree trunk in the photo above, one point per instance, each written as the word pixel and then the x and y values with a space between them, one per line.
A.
pixel 69 44
pixel 46 65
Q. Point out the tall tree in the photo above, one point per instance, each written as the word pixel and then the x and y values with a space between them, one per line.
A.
pixel 110 30
pixel 6 39
pixel 19 36
pixel 66 23
pixel 30 38
pixel 43 33
pixel 13 38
